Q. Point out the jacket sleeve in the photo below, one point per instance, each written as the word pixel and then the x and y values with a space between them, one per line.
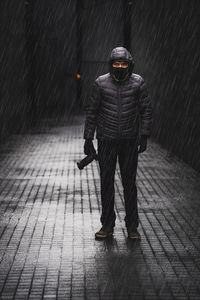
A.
pixel 92 110
pixel 145 109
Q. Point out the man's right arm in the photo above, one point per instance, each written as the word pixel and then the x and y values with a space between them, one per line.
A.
pixel 92 110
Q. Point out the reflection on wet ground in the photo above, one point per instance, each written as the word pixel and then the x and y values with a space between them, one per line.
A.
pixel 50 211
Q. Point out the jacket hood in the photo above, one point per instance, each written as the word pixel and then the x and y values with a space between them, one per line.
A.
pixel 121 54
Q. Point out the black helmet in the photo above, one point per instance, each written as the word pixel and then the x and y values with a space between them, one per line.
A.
pixel 121 54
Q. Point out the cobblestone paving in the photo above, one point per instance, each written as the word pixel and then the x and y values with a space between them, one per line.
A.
pixel 50 210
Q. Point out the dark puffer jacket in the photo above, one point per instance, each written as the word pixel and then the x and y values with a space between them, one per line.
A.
pixel 118 110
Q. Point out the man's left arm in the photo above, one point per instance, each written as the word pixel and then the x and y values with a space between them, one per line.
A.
pixel 145 109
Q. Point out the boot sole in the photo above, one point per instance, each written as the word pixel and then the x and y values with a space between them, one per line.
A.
pixel 135 238
pixel 99 236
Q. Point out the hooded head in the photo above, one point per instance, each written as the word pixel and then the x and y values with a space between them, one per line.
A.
pixel 121 74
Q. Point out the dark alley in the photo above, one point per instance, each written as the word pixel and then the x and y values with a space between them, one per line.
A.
pixel 99 150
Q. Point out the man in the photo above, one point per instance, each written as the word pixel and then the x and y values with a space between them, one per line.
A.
pixel 120 110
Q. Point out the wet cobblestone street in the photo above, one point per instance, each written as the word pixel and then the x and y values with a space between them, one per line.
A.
pixel 50 210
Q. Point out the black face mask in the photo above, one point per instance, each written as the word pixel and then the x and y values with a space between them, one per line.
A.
pixel 120 74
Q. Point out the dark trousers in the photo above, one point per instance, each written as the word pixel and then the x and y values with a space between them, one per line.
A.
pixel 127 153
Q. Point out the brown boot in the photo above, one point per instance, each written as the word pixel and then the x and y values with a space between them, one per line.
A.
pixel 104 233
pixel 134 235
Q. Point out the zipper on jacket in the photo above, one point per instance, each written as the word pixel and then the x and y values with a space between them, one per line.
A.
pixel 119 111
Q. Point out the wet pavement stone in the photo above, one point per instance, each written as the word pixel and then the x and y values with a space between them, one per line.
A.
pixel 50 211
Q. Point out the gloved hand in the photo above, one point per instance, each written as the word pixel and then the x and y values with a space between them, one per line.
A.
pixel 142 143
pixel 89 147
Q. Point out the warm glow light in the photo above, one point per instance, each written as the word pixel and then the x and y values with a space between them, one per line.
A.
pixel 78 76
